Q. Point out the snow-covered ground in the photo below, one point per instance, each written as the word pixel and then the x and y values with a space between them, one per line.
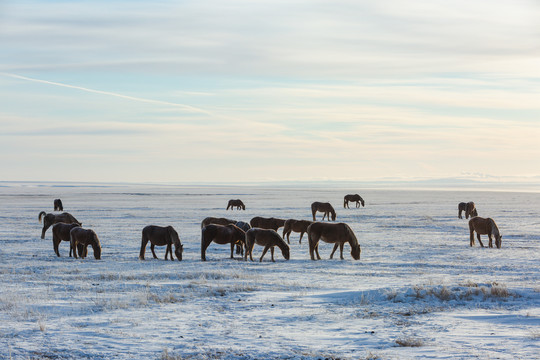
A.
pixel 418 291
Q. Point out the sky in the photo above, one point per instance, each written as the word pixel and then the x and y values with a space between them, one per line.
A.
pixel 248 91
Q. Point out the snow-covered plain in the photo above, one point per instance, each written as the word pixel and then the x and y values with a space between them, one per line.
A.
pixel 418 291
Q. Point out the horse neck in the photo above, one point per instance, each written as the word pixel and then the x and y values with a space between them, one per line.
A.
pixel 353 241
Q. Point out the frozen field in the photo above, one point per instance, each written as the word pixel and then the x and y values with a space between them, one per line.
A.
pixel 418 291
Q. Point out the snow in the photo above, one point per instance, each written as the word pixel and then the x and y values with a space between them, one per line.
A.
pixel 418 291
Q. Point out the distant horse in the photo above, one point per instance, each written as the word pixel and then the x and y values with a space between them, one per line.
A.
pixel 484 226
pixel 160 236
pixel 221 234
pixel 236 203
pixel 356 198
pixel 266 223
pixel 217 221
pixel 51 219
pixel 244 226
pixel 337 234
pixel 269 239
pixel 84 237
pixel 60 232
pixel 469 208
pixel 58 205
pixel 299 226
pixel 325 208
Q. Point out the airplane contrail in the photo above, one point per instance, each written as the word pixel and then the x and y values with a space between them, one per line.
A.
pixel 127 97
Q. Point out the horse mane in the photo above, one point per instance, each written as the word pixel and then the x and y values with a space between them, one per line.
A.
pixel 352 238
pixel 494 228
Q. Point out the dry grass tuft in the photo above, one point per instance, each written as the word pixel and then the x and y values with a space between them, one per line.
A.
pixel 409 341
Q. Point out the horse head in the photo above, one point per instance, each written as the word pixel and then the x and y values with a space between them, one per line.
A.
pixel 355 252
pixel 175 239
pixel 286 251
pixel 96 245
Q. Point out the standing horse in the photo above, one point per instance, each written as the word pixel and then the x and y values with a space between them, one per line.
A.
pixel 269 239
pixel 469 208
pixel 221 234
pixel 51 219
pixel 160 236
pixel 484 226
pixel 337 234
pixel 84 237
pixel 325 208
pixel 238 204
pixel 266 223
pixel 58 205
pixel 299 226
pixel 60 232
pixel 353 197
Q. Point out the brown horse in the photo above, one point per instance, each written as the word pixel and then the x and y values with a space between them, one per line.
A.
pixel 484 226
pixel 299 226
pixel 58 205
pixel 325 208
pixel 51 219
pixel 160 236
pixel 238 204
pixel 337 234
pixel 221 234
pixel 269 239
pixel 353 197
pixel 84 237
pixel 60 232
pixel 216 221
pixel 469 208
pixel 266 223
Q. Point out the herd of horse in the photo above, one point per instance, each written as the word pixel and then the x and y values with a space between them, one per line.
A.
pixel 243 236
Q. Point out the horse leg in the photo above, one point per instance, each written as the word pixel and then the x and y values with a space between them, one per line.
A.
pixel 317 251
pixel 168 251
pixel 288 235
pixel 333 251
pixel 153 252
pixel 341 245
pixel 311 242
pixel 144 241
pixel 471 230
pixel 490 241
pixel 56 242
pixel 480 241
pixel 204 246
pixel 264 252
pixel 301 234
pixel 313 212
pixel 232 250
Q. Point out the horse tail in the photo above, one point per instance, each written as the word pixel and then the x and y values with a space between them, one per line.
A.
pixel 286 227
pixel 471 231
pixel 41 215
pixel 344 201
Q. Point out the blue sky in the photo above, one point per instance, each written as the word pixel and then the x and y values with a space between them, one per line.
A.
pixel 214 91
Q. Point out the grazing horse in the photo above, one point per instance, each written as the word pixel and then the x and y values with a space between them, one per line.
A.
pixel 469 208
pixel 356 198
pixel 484 226
pixel 269 239
pixel 216 221
pixel 58 205
pixel 245 227
pixel 221 234
pixel 60 232
pixel 160 236
pixel 238 204
pixel 51 219
pixel 266 223
pixel 84 237
pixel 338 234
pixel 325 208
pixel 299 226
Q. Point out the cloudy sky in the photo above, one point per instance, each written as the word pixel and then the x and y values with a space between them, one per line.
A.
pixel 229 91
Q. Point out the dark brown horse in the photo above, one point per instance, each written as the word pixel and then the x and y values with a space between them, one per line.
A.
pixel 221 234
pixel 266 223
pixel 84 237
pixel 216 221
pixel 58 205
pixel 469 208
pixel 337 234
pixel 353 197
pixel 269 239
pixel 60 232
pixel 161 236
pixel 51 219
pixel 238 204
pixel 299 226
pixel 325 208
pixel 484 226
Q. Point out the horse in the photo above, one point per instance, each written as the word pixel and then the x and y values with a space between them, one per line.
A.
pixel 58 205
pixel 269 239
pixel 217 221
pixel 244 226
pixel 266 223
pixel 299 226
pixel 338 234
pixel 325 208
pixel 236 203
pixel 84 237
pixel 60 232
pixel 352 197
pixel 160 236
pixel 51 219
pixel 469 208
pixel 484 226
pixel 221 234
